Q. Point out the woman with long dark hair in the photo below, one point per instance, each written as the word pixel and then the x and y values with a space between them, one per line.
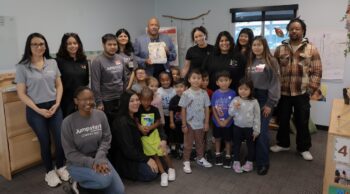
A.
pixel 127 151
pixel 40 88
pixel 74 68
pixel 244 42
pixel 126 52
pixel 224 58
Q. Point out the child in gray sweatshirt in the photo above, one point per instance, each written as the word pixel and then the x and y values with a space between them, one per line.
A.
pixel 245 111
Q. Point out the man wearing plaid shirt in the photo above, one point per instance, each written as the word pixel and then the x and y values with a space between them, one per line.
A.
pixel 301 72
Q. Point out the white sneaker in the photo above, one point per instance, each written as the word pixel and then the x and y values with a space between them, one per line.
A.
pixel 63 173
pixel 52 179
pixel 203 162
pixel 187 167
pixel 164 179
pixel 277 148
pixel 171 173
pixel 307 155
pixel 74 187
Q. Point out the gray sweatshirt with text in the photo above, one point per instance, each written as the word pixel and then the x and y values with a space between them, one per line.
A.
pixel 86 140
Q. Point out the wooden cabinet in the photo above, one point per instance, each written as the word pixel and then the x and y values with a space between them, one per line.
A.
pixel 337 169
pixel 19 146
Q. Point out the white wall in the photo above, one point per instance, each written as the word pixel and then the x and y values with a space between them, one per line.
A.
pixel 321 15
pixel 89 18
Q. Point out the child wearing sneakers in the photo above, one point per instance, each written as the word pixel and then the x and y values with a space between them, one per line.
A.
pixel 148 121
pixel 245 111
pixel 175 117
pixel 195 113
pixel 222 130
pixel 152 83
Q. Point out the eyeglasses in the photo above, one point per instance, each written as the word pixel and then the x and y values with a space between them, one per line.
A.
pixel 42 45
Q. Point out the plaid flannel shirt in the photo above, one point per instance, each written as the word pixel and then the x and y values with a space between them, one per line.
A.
pixel 301 71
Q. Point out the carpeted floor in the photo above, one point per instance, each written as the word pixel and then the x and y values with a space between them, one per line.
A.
pixel 289 174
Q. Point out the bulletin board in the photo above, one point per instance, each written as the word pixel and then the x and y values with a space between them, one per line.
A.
pixel 8 44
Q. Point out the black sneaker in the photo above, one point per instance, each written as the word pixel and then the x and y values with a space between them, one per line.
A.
pixel 218 160
pixel 227 162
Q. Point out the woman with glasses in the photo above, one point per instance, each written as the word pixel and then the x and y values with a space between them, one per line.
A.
pixel 86 138
pixel 40 88
pixel 74 69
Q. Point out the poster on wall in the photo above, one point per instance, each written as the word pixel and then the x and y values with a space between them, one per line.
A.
pixel 172 32
pixel 330 45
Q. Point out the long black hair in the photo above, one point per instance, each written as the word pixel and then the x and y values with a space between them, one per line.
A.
pixel 27 56
pixel 128 47
pixel 62 51
pixel 239 47
pixel 124 103
pixel 226 34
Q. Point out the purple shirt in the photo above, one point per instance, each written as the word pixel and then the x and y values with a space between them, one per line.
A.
pixel 221 101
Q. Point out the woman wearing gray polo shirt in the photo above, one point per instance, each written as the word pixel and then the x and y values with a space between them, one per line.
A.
pixel 39 86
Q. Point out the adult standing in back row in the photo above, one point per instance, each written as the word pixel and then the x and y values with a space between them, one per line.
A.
pixel 74 68
pixel 142 45
pixel 196 54
pixel 108 77
pixel 301 73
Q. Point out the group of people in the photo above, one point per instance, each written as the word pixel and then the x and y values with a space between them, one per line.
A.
pixel 137 111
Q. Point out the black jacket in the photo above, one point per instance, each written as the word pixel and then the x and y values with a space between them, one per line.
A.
pixel 126 151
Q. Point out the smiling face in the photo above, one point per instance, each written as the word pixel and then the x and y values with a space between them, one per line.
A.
pixel 153 85
pixel 164 80
pixel 72 46
pixel 199 38
pixel 85 102
pixel 243 39
pixel 134 104
pixel 37 47
pixel 258 48
pixel 224 45
pixel 195 80
pixel 123 39
pixel 244 91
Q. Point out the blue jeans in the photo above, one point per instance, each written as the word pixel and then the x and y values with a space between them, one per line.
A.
pixel 145 173
pixel 43 127
pixel 263 140
pixel 89 179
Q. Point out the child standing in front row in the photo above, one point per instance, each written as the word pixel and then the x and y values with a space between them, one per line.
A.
pixel 153 139
pixel 245 111
pixel 177 136
pixel 195 113
pixel 222 130
pixel 166 92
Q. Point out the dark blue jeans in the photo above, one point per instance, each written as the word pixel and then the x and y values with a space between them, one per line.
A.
pixel 43 127
pixel 262 142
pixel 145 173
pixel 87 178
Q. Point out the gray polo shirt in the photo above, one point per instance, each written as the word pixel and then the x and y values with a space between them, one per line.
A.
pixel 40 84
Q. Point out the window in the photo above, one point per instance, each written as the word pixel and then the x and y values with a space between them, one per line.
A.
pixel 264 20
